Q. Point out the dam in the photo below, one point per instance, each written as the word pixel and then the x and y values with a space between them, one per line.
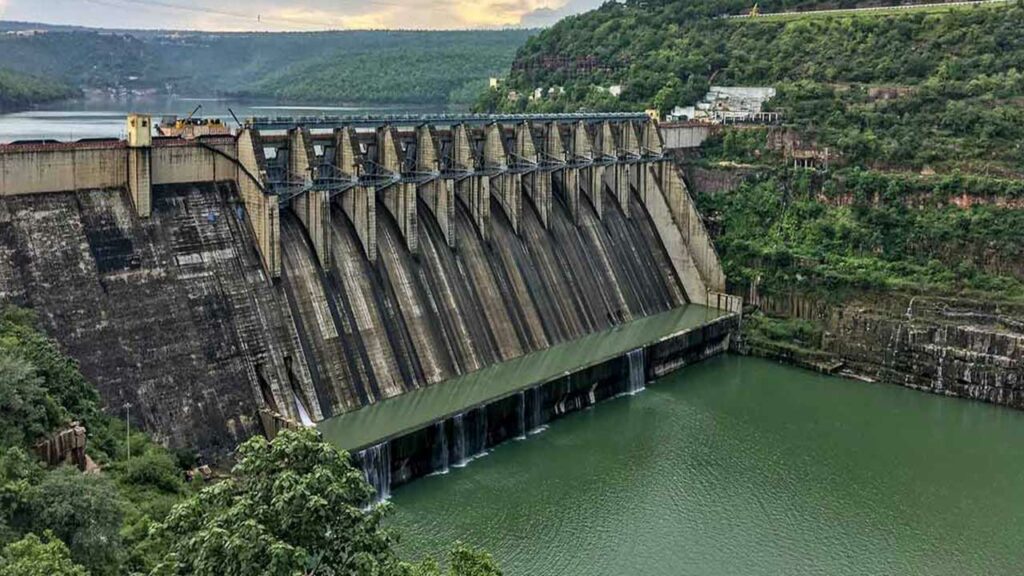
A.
pixel 418 287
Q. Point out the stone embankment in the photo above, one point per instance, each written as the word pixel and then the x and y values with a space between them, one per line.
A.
pixel 956 347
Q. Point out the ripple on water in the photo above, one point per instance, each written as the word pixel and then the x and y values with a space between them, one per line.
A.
pixel 740 466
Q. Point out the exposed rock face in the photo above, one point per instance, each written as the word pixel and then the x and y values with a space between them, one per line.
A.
pixel 954 347
pixel 960 349
pixel 704 180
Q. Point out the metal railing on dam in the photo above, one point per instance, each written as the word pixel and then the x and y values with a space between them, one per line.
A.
pixel 527 234
pixel 412 120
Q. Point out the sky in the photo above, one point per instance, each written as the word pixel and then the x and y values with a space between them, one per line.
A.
pixel 278 15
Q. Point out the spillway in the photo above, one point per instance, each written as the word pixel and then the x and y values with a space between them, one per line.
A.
pixel 373 330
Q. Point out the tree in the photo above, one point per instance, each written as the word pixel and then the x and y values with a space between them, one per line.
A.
pixel 63 383
pixel 26 411
pixel 669 96
pixel 463 561
pixel 292 506
pixel 18 472
pixel 32 556
pixel 84 511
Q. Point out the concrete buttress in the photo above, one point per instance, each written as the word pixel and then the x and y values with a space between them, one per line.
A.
pixel 615 175
pixel 357 202
pixel 537 183
pixel 590 174
pixel 437 194
pixel 506 186
pixel 471 187
pixel 313 208
pixel 260 206
pixel 399 196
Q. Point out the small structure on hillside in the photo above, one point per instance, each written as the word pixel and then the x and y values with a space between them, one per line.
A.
pixel 803 150
pixel 730 105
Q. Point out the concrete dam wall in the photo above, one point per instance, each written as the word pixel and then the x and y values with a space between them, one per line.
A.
pixel 208 309
pixel 171 313
pixel 374 330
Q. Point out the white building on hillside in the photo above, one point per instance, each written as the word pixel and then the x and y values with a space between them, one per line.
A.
pixel 729 104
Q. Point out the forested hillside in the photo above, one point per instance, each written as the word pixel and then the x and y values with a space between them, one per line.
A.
pixel 19 90
pixel 959 71
pixel 321 67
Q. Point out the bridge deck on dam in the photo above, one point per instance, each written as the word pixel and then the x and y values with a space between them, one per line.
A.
pixel 420 408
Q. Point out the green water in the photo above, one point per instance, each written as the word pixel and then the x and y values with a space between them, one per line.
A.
pixel 740 466
pixel 424 406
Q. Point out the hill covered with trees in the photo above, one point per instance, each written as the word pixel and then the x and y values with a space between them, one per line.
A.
pixel 20 90
pixel 958 74
pixel 316 67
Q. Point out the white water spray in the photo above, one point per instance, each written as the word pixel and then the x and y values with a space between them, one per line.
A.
pixel 637 381
pixel 376 462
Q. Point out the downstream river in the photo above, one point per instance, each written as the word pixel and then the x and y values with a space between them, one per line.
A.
pixel 739 466
pixel 105 117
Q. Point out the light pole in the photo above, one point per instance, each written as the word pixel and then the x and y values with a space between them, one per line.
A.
pixel 128 428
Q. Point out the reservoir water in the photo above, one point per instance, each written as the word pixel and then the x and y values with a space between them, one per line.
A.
pixel 739 466
pixel 105 117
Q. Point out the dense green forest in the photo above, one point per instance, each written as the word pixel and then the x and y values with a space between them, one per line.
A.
pixel 293 506
pixel 853 231
pixel 20 90
pixel 321 67
pixel 961 74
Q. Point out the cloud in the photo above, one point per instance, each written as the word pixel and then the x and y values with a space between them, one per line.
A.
pixel 476 13
pixel 294 14
pixel 548 16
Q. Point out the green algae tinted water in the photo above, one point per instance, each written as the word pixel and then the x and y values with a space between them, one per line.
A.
pixel 740 466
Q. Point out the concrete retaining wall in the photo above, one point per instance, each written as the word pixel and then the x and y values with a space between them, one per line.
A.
pixel 60 167
pixel 684 135
pixel 43 168
pixel 186 162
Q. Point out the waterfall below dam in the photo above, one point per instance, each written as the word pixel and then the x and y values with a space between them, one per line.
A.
pixel 536 417
pixel 637 372
pixel 434 429
pixel 373 330
pixel 441 458
pixel 521 401
pixel 376 463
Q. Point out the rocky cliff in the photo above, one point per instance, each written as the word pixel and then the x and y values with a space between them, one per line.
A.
pixel 952 346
